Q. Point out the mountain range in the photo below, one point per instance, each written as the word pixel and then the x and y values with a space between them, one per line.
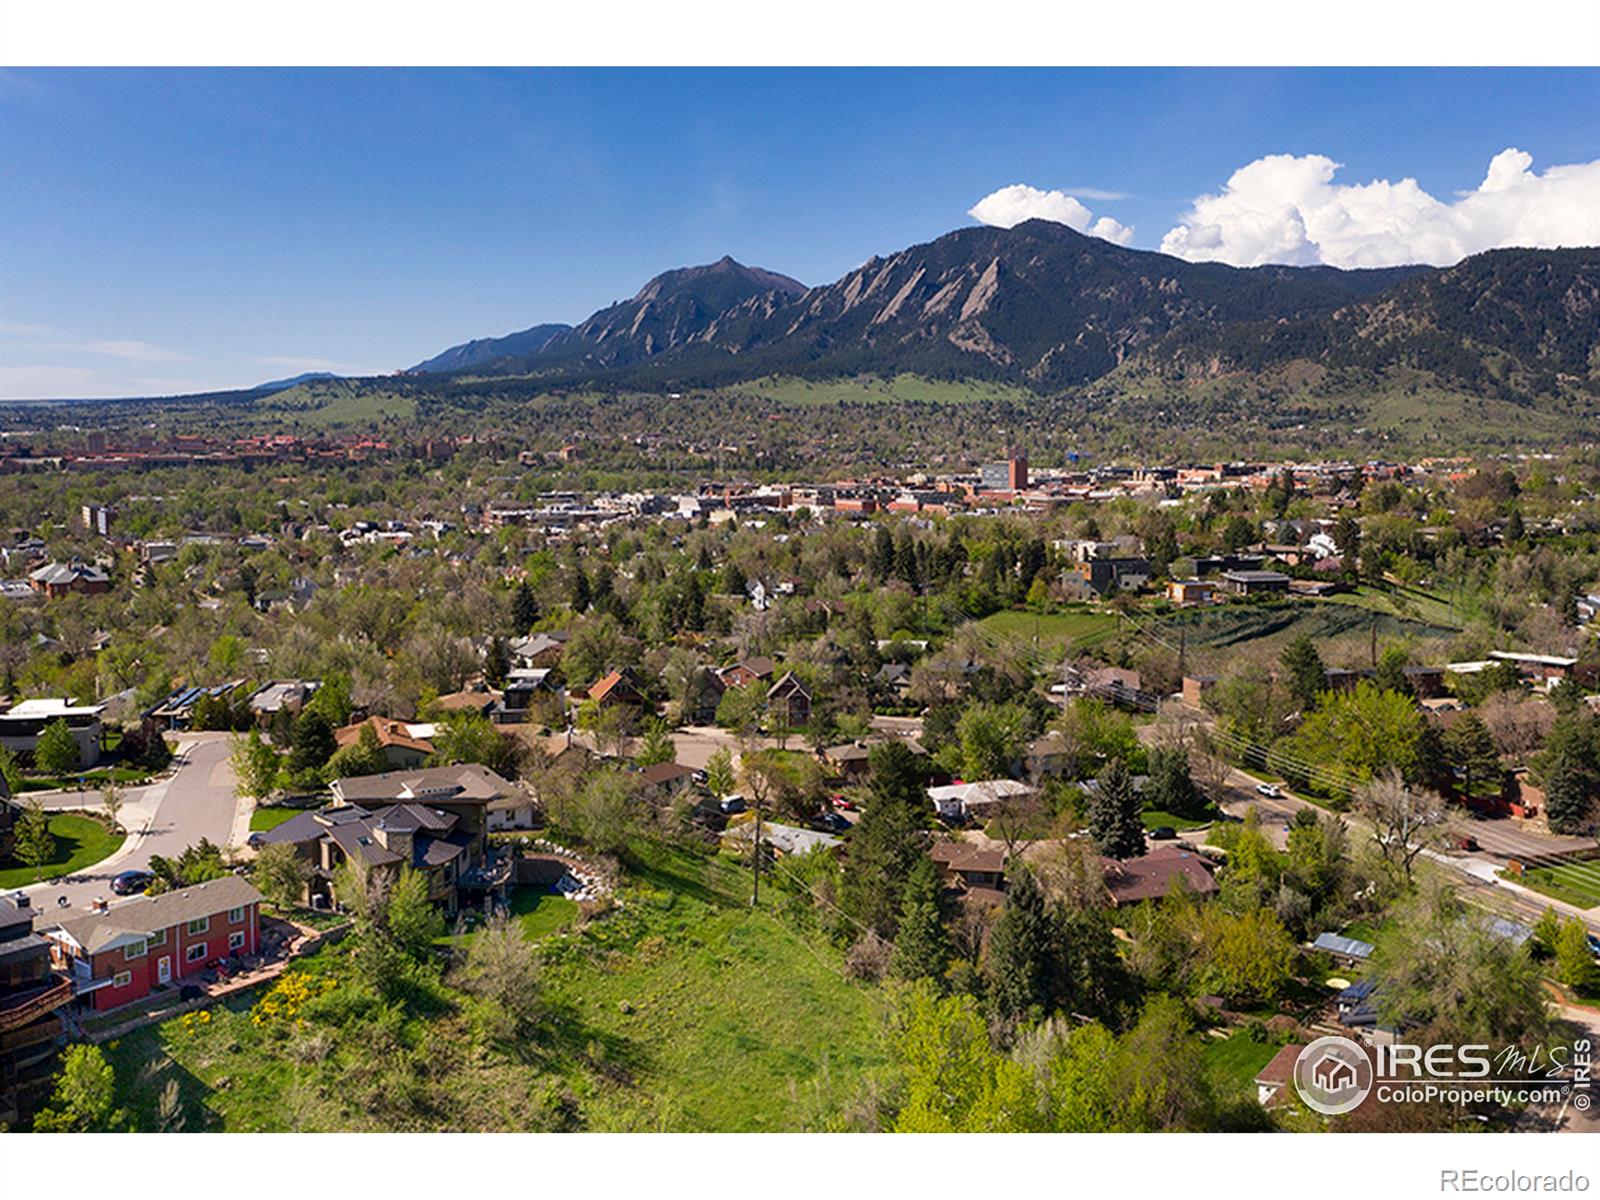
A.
pixel 1043 306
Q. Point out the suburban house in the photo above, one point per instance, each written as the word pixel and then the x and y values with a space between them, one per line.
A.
pixel 538 649
pixel 1152 876
pixel 659 781
pixel 1102 576
pixel 58 579
pixel 467 701
pixel 1255 583
pixel 1346 951
pixel 958 802
pixel 521 686
pixel 702 695
pixel 747 671
pixel 280 696
pixel 789 701
pixel 23 722
pixel 1272 1083
pixel 1185 592
pixel 971 873
pixel 1048 755
pixel 30 995
pixel 433 820
pixel 848 760
pixel 618 688
pixel 122 954
pixel 177 710
pixel 397 741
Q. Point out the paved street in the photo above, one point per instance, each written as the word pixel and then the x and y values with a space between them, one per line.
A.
pixel 196 801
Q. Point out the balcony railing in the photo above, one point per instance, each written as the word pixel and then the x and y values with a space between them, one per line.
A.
pixel 28 1008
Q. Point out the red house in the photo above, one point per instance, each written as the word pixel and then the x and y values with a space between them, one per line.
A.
pixel 123 954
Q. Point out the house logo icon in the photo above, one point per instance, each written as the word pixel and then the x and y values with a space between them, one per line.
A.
pixel 1333 1075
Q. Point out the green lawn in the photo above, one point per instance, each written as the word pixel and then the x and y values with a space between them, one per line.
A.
pixel 1233 1063
pixel 1575 882
pixel 1154 818
pixel 271 816
pixel 80 842
pixel 539 913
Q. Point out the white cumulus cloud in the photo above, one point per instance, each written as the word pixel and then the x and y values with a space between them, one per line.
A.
pixel 1018 203
pixel 1287 209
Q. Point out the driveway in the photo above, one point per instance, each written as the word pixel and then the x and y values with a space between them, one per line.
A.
pixel 196 801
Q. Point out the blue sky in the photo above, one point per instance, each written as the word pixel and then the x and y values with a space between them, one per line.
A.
pixel 168 231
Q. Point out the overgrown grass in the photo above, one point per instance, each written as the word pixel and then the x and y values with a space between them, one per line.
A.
pixel 81 842
pixel 683 1009
pixel 1081 627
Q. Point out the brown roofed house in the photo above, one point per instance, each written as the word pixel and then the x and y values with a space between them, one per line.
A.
pixel 400 748
pixel 1152 876
pixel 619 687
pixel 789 700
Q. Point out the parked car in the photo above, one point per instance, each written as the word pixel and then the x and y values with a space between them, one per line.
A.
pixel 1466 842
pixel 1269 789
pixel 833 822
pixel 844 803
pixel 128 882
pixel 732 804
pixel 1163 833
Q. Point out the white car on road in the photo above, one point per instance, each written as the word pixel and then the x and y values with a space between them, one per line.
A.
pixel 1269 789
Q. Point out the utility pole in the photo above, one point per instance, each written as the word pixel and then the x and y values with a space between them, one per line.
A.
pixel 755 860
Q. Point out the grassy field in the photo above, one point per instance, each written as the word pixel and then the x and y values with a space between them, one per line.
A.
pixel 80 842
pixel 1080 627
pixel 1577 882
pixel 326 405
pixel 683 1009
pixel 270 816
pixel 1234 1062
pixel 91 780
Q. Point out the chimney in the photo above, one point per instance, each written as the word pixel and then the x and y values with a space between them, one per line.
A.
pixel 396 841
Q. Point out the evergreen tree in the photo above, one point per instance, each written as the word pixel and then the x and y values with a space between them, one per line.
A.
pixel 1515 529
pixel 578 596
pixel 524 609
pixel 881 560
pixel 888 841
pixel 921 948
pixel 1571 776
pixel 312 744
pixel 1019 969
pixel 1171 787
pixel 1470 747
pixel 1114 822
pixel 1308 678
pixel 733 579
pixel 496 662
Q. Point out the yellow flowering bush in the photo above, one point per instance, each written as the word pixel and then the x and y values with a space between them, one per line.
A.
pixel 288 996
pixel 197 1019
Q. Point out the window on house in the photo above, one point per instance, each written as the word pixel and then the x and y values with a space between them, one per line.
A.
pixel 134 950
pixel 122 979
pixel 199 924
pixel 159 938
pixel 195 953
pixel 235 915
pixel 235 941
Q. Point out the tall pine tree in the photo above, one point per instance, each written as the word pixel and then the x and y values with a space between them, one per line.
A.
pixel 921 947
pixel 888 841
pixel 524 610
pixel 1114 813
pixel 1020 969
